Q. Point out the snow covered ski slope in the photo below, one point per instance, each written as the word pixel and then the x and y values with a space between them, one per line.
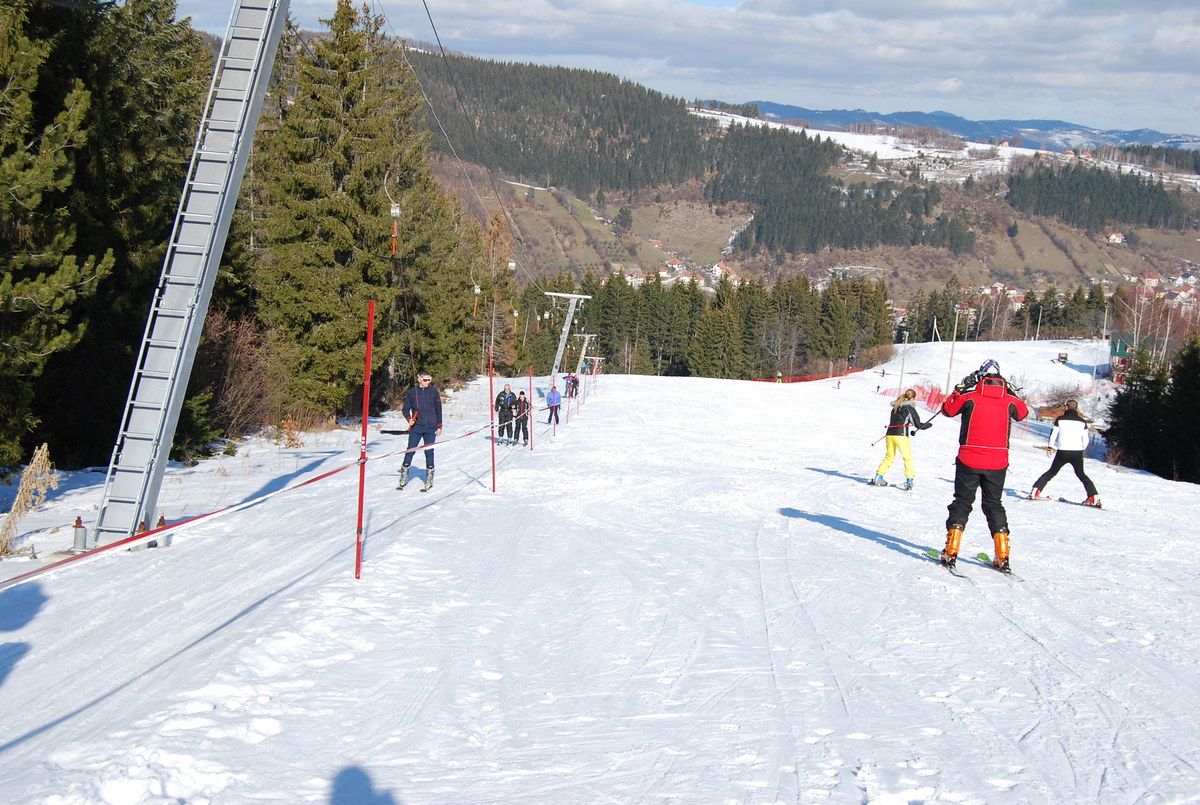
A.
pixel 688 594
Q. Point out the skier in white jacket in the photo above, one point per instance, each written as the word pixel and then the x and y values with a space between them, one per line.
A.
pixel 1070 437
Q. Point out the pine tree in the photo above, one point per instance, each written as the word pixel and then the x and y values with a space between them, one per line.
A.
pixel 1136 434
pixel 503 294
pixel 1182 449
pixel 147 74
pixel 326 224
pixel 837 326
pixel 42 278
pixel 717 349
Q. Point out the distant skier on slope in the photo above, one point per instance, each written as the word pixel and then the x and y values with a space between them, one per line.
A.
pixel 904 416
pixel 988 406
pixel 553 400
pixel 521 419
pixel 1070 437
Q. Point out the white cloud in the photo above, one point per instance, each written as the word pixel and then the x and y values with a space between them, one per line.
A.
pixel 1007 58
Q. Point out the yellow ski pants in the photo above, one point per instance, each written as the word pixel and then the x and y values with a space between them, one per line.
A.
pixel 901 444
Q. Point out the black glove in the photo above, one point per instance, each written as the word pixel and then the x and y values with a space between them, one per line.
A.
pixel 968 382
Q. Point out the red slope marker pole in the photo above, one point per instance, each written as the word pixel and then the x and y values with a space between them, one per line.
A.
pixel 492 413
pixel 362 442
pixel 529 413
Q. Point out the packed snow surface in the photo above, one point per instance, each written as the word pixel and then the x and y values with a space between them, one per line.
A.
pixel 688 593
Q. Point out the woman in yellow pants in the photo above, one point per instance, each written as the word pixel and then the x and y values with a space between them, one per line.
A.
pixel 904 416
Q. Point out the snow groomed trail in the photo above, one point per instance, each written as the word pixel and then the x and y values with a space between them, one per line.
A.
pixel 689 594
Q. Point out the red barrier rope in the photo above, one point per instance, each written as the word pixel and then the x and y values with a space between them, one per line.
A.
pixel 148 536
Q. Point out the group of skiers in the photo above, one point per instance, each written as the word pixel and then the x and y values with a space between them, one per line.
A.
pixel 422 409
pixel 985 401
pixel 512 412
pixel 988 405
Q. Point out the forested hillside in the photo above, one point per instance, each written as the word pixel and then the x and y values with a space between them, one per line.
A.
pixel 581 129
pixel 609 141
pixel 593 134
pixel 1093 198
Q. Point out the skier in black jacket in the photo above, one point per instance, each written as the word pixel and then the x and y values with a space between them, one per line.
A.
pixel 521 420
pixel 904 416
pixel 505 401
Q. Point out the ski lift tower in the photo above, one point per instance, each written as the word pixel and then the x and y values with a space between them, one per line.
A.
pixel 210 190
pixel 575 299
pixel 587 339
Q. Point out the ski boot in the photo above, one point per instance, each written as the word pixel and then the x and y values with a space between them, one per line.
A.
pixel 1093 500
pixel 428 480
pixel 949 554
pixel 403 476
pixel 908 484
pixel 878 480
pixel 1035 493
pixel 1000 560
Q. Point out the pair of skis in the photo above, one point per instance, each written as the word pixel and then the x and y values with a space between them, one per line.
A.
pixel 936 556
pixel 1066 500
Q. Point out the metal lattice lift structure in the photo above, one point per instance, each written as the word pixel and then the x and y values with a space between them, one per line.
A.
pixel 575 299
pixel 214 177
pixel 587 339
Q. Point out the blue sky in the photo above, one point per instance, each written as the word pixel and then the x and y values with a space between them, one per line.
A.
pixel 1100 63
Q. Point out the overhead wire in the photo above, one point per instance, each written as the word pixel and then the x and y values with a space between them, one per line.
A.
pixel 520 263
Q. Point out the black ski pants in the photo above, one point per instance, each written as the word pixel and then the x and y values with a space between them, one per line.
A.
pixel 506 427
pixel 553 417
pixel 1061 459
pixel 966 481
pixel 521 428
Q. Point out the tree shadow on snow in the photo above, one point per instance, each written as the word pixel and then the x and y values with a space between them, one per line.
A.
pixel 353 786
pixel 1086 368
pixel 901 546
pixel 837 474
pixel 277 483
pixel 197 643
pixel 18 606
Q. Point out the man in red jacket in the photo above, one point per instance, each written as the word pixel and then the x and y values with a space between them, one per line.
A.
pixel 988 407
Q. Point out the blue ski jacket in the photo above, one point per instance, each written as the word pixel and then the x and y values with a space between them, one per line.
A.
pixel 426 403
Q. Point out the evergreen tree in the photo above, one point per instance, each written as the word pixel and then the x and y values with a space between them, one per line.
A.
pixel 326 219
pixel 717 349
pixel 642 363
pixel 42 277
pixel 1182 449
pixel 1136 435
pixel 147 75
pixel 837 326
pixel 503 293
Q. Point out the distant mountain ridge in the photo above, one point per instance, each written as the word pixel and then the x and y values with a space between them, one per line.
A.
pixel 1046 134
